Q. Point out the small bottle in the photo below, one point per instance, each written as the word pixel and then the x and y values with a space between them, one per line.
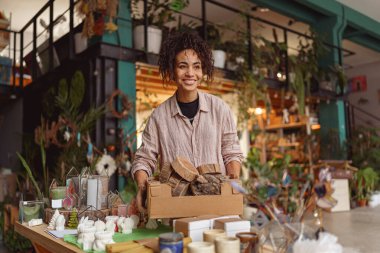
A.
pixel 171 242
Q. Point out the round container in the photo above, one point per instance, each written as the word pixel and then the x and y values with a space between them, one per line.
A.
pixel 210 235
pixel 172 242
pixel 248 242
pixel 201 247
pixel 227 244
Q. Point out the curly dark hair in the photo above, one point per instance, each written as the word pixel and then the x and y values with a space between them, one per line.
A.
pixel 177 42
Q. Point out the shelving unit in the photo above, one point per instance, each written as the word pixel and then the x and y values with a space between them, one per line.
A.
pixel 277 140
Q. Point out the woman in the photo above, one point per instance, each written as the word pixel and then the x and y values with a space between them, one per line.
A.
pixel 191 124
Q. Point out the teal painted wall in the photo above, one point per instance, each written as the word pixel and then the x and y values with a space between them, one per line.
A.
pixel 126 71
pixel 333 131
pixel 123 35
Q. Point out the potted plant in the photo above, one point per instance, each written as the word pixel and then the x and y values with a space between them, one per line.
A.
pixel 158 13
pixel 303 66
pixel 214 39
pixel 236 51
pixel 366 180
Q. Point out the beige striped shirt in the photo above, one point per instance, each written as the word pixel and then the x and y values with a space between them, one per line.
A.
pixel 211 139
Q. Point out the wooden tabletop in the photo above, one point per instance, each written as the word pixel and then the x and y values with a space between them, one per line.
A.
pixel 38 236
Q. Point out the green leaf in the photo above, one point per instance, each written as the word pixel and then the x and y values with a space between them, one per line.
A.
pixel 29 171
pixel 77 89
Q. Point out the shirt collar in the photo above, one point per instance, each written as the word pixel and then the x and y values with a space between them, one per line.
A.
pixel 174 108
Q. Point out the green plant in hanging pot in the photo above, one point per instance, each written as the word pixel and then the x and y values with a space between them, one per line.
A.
pixel 273 55
pixel 297 83
pixel 250 89
pixel 236 51
pixel 341 77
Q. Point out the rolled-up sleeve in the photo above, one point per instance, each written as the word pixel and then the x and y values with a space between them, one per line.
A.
pixel 146 155
pixel 230 142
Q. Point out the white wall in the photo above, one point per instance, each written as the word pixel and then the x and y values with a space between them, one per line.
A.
pixel 372 72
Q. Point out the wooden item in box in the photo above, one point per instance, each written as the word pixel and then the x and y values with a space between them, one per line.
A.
pixel 161 203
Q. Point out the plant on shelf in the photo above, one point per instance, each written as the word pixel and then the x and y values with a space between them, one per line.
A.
pixel 341 77
pixel 214 39
pixel 236 51
pixel 272 56
pixel 184 26
pixel 98 16
pixel 365 148
pixel 303 66
pixel 366 180
pixel 158 14
pixel 250 90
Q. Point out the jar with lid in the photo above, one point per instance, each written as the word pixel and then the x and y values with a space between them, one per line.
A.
pixel 248 242
pixel 171 242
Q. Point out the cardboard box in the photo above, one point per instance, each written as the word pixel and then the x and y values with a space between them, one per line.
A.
pixel 161 204
pixel 192 227
pixel 232 226
pixel 213 218
pixel 341 194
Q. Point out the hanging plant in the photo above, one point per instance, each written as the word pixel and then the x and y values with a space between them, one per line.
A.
pixel 95 13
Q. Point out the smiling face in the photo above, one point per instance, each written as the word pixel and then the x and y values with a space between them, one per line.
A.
pixel 188 73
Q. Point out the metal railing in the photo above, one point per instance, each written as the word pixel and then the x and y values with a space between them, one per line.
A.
pixel 49 6
pixel 19 47
pixel 248 17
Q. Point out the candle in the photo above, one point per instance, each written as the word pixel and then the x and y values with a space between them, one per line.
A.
pixel 210 235
pixel 58 192
pixel 227 244
pixel 92 194
pixel 201 247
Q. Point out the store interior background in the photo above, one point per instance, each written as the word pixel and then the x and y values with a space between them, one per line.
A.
pixel 364 62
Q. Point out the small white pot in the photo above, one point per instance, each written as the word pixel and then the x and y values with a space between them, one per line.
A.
pixel 154 38
pixel 80 43
pixel 219 58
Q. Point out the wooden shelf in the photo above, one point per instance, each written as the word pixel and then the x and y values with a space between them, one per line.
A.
pixel 294 144
pixel 286 126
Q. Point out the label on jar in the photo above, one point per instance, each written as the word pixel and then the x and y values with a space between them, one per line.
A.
pixel 171 247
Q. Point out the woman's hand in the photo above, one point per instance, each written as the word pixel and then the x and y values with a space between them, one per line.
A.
pixel 141 178
pixel 233 169
pixel 141 199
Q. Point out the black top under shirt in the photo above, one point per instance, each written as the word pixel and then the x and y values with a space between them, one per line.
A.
pixel 189 109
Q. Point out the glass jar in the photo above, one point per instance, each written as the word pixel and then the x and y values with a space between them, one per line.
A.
pixel 248 242
pixel 172 242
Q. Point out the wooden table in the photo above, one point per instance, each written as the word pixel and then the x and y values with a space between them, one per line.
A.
pixel 42 241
